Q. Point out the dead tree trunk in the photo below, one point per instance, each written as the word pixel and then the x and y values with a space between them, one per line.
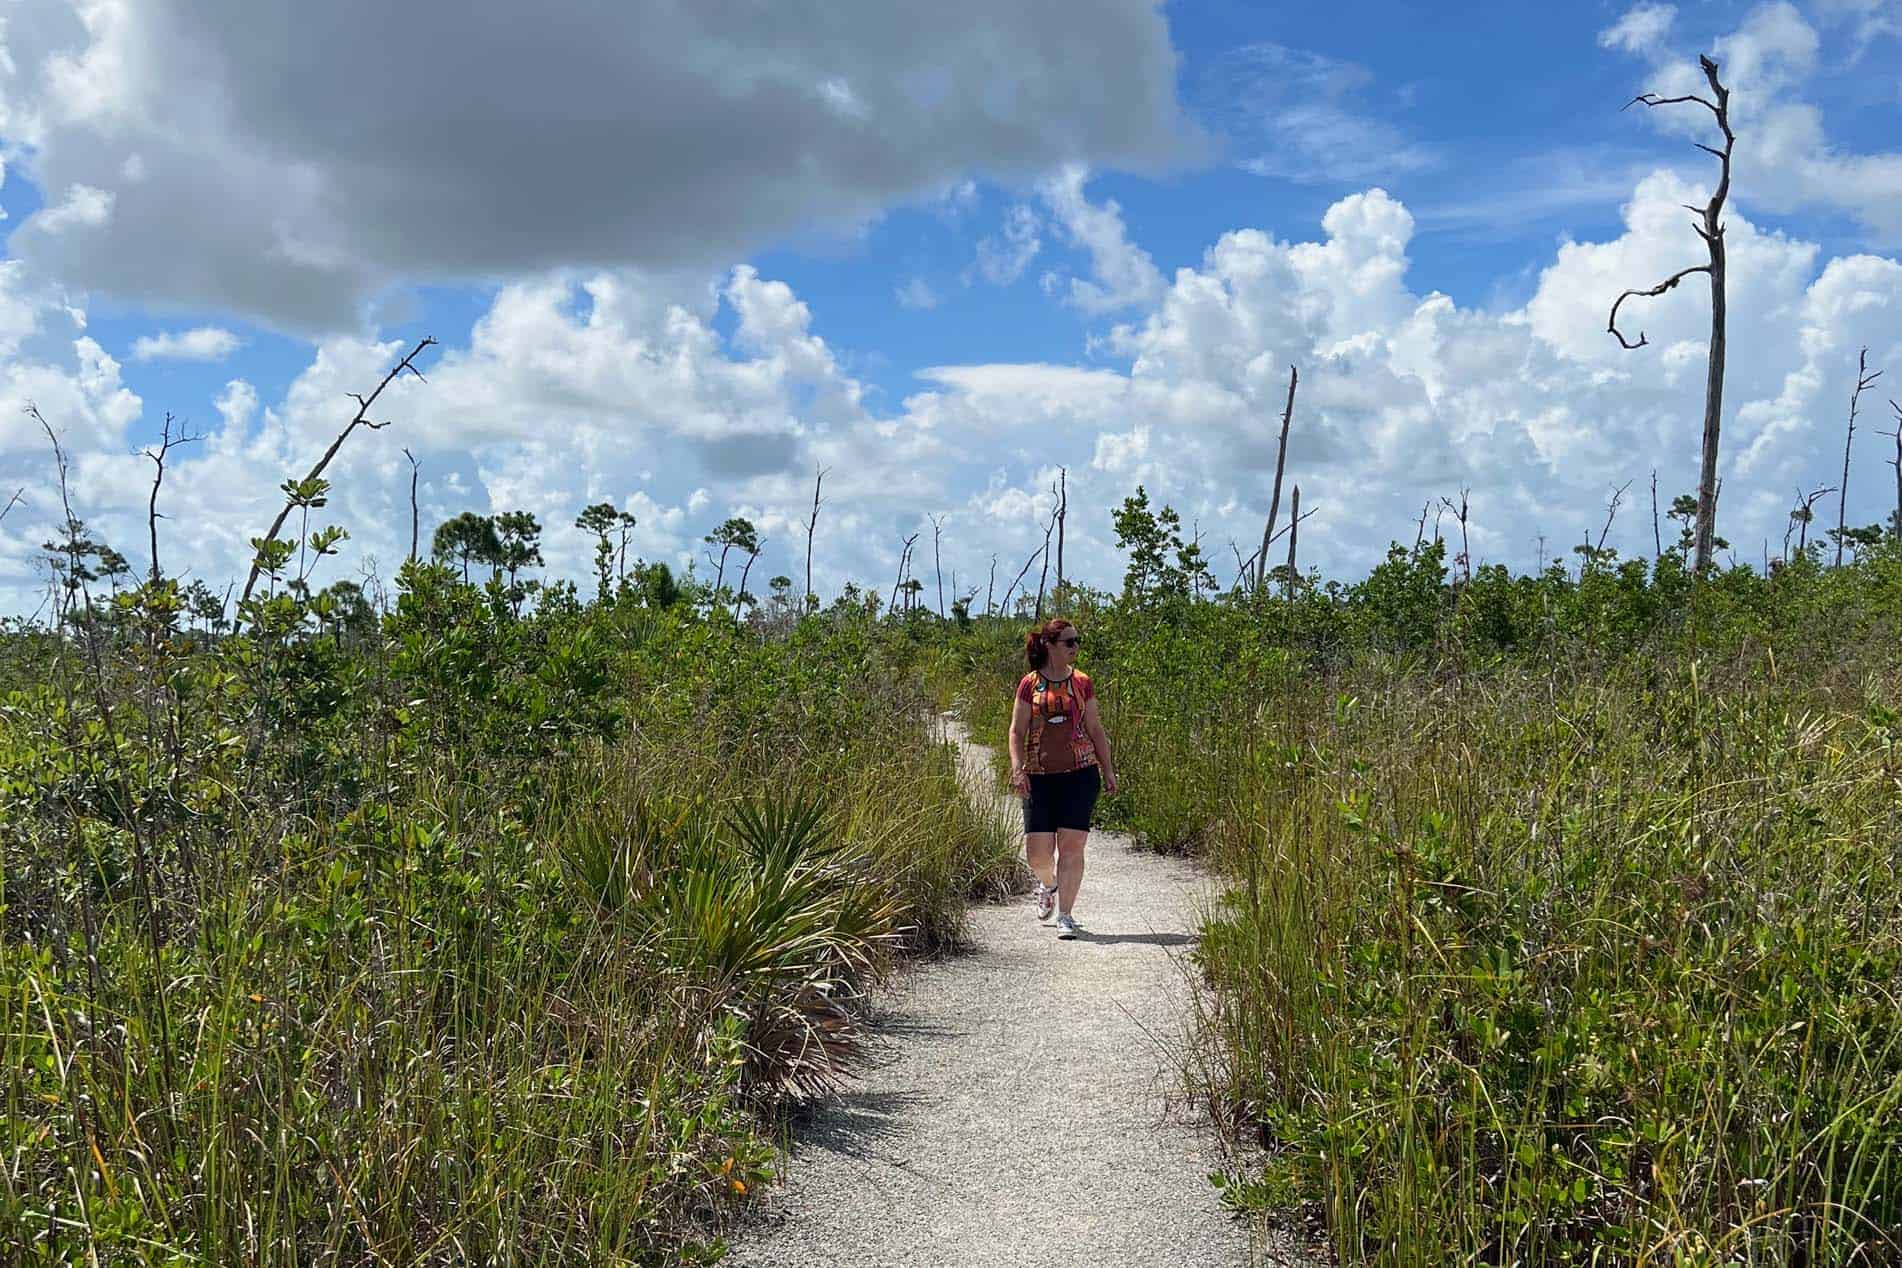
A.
pixel 1711 230
pixel 1895 526
pixel 1657 534
pixel 361 419
pixel 1063 513
pixel 413 522
pixel 1863 381
pixel 904 557
pixel 1274 499
pixel 1294 534
pixel 739 600
pixel 1465 561
pixel 990 587
pixel 1044 575
pixel 811 524
pixel 937 563
pixel 1805 514
pixel 1012 588
pixel 1611 513
pixel 167 443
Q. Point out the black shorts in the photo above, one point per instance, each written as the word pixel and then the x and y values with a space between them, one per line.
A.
pixel 1062 801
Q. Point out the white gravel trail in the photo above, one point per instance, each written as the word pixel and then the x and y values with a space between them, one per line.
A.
pixel 1016 1110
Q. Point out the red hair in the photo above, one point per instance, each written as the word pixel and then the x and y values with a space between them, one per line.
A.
pixel 1037 641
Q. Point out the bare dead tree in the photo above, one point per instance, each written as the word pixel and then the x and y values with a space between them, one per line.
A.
pixel 1657 534
pixel 415 469
pixel 1864 380
pixel 360 419
pixel 740 598
pixel 937 563
pixel 1611 512
pixel 1419 532
pixel 1711 230
pixel 1803 513
pixel 990 587
pixel 1044 575
pixel 1005 606
pixel 167 443
pixel 12 502
pixel 1063 513
pixel 1274 498
pixel 904 559
pixel 1896 462
pixel 1294 534
pixel 1465 560
pixel 1241 566
pixel 818 479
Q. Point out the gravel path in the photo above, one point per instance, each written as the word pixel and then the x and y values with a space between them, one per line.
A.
pixel 1015 1110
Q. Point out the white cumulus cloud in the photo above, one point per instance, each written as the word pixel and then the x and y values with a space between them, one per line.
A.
pixel 202 343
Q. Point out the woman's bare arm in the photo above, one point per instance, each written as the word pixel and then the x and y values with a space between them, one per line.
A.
pixel 1019 740
pixel 1099 739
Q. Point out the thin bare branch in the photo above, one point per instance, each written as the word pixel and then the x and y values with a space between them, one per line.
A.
pixel 406 365
pixel 1667 284
pixel 167 443
pixel 1652 99
pixel 1611 512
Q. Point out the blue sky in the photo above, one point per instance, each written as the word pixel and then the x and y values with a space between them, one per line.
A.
pixel 792 273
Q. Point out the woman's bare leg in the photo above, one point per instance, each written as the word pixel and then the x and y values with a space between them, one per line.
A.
pixel 1040 850
pixel 1070 844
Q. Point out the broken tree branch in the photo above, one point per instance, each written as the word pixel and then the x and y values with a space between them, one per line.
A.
pixel 1667 284
pixel 361 419
pixel 1274 498
pixel 1045 574
pixel 904 558
pixel 937 564
pixel 1864 380
pixel 818 479
pixel 1611 512
pixel 415 469
pixel 1896 462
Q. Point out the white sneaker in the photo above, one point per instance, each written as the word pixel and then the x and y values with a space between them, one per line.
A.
pixel 1066 926
pixel 1046 900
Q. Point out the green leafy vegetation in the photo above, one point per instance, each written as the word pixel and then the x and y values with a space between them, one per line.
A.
pixel 490 927
pixel 1562 915
pixel 479 920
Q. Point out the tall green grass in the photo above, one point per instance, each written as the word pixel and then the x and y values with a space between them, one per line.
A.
pixel 483 998
pixel 1554 969
pixel 1560 917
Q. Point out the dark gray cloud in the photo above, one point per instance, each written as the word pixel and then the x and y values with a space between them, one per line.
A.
pixel 288 159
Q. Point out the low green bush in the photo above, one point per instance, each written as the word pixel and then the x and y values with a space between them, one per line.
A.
pixel 473 935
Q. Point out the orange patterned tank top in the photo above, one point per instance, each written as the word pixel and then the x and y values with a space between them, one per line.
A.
pixel 1058 741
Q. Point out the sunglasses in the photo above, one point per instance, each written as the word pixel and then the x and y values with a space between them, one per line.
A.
pixel 1073 641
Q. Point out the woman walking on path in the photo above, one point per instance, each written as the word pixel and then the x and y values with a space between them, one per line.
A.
pixel 1057 746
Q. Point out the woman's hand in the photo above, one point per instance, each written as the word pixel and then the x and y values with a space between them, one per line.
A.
pixel 1109 782
pixel 1019 782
